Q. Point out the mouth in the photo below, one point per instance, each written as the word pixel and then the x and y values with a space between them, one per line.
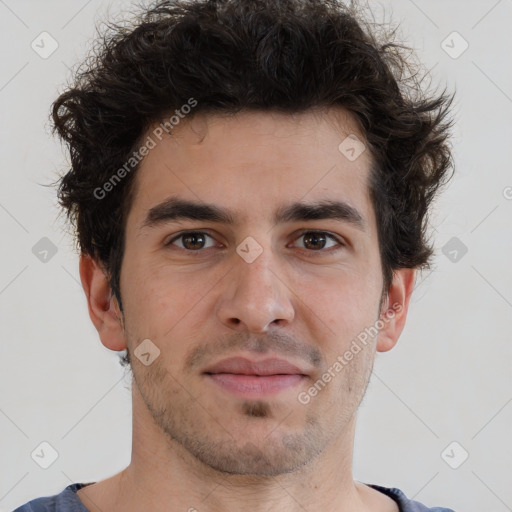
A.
pixel 252 379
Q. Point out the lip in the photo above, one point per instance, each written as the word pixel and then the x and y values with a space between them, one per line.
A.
pixel 244 366
pixel 254 386
pixel 252 379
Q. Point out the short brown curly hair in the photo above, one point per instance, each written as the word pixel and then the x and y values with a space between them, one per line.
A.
pixel 266 55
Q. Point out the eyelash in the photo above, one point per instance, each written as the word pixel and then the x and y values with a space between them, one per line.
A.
pixel 306 232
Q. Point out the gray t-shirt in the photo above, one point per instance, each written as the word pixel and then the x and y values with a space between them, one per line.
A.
pixel 68 501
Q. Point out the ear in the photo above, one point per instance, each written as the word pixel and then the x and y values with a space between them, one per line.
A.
pixel 103 307
pixel 394 310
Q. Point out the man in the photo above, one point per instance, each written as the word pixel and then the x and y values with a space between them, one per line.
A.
pixel 249 185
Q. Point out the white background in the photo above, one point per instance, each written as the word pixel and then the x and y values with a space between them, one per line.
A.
pixel 449 377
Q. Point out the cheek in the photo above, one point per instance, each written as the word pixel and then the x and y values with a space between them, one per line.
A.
pixel 163 300
pixel 167 313
pixel 340 310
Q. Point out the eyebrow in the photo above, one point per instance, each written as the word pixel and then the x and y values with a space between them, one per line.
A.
pixel 173 208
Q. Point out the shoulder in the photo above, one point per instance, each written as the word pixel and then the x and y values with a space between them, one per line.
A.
pixel 66 501
pixel 404 503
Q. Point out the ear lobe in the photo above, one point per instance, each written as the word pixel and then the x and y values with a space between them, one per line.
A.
pixel 103 307
pixel 394 311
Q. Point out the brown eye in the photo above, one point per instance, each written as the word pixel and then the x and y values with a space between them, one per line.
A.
pixel 314 240
pixel 192 240
pixel 317 240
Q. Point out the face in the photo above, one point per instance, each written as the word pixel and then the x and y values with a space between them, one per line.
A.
pixel 254 276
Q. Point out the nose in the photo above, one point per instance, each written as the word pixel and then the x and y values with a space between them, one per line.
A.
pixel 255 296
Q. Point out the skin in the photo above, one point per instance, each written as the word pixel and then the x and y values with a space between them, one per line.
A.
pixel 194 444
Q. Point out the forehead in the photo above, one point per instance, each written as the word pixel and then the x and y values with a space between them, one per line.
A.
pixel 253 163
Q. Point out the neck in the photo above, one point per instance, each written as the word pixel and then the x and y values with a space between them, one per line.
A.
pixel 162 471
pixel 163 474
